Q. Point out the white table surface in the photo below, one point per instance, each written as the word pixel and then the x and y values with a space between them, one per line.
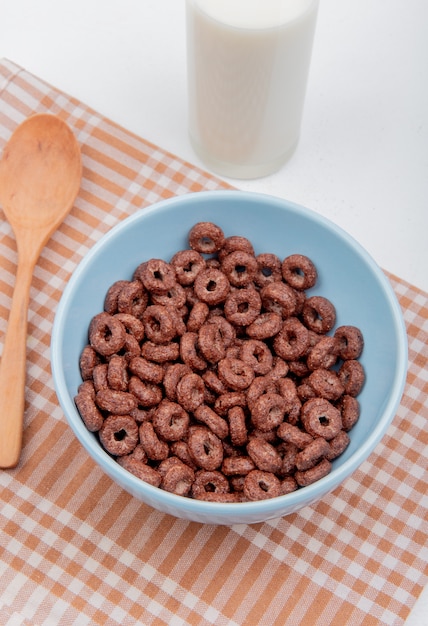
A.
pixel 362 160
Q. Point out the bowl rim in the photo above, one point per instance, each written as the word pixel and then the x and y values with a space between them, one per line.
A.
pixel 309 493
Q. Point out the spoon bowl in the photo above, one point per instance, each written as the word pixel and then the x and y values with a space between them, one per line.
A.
pixel 40 174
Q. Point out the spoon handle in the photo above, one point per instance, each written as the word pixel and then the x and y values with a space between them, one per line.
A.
pixel 13 370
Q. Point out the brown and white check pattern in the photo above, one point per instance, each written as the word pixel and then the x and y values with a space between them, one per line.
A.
pixel 76 549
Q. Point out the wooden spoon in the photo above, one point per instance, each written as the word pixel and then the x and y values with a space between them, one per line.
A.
pixel 40 174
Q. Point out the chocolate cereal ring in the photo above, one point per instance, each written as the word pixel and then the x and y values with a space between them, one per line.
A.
pixel 279 298
pixel 132 299
pixel 147 370
pixel 133 325
pixel 165 465
pixel 89 358
pixel 89 412
pixel 268 269
pixel 312 454
pixel 119 434
pixel 175 297
pixel 299 367
pixel 211 286
pixel 352 377
pixel 235 373
pixel 190 391
pixel 237 465
pixel 173 373
pixel 266 325
pixel 210 418
pixel 233 243
pixel 320 418
pixel 260 485
pixel 206 237
pixel 205 448
pixel 288 390
pixel 142 415
pixel 258 355
pixel 300 301
pixel 287 387
pixel 292 340
pixel 237 426
pixel 288 452
pixel 87 386
pixel 140 469
pixel 293 434
pixel 198 316
pixel 299 271
pixel 228 400
pixel 319 314
pixel 160 353
pixel 187 265
pixel 106 334
pixel 338 445
pixel 180 449
pixel 99 376
pixel 264 455
pixel 159 324
pixel 178 316
pixel 146 394
pixel 313 474
pixel 134 334
pixel 305 391
pixel 226 329
pixel 323 354
pixel 189 352
pixel 213 262
pixel 116 402
pixel 240 268
pixel 110 300
pixel 260 385
pixel 131 347
pixel 153 446
pixel 117 373
pixel 170 421
pixel 288 485
pixel 211 341
pixel 177 478
pixel 350 411
pixel 213 482
pixel 279 369
pixel 326 384
pixel 351 342
pixel 157 276
pixel 213 382
pixel 267 411
pixel 242 307
pixel 237 484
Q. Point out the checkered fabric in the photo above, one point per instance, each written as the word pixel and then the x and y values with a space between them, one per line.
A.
pixel 76 549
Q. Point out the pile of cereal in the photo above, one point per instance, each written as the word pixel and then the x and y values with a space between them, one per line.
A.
pixel 214 376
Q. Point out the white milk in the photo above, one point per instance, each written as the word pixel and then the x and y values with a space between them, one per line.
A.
pixel 248 63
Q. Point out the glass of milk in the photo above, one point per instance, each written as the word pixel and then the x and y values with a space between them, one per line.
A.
pixel 247 64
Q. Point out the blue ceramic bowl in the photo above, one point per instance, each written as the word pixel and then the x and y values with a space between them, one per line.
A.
pixel 348 276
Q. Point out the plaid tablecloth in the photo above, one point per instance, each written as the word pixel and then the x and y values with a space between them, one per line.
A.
pixel 76 549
